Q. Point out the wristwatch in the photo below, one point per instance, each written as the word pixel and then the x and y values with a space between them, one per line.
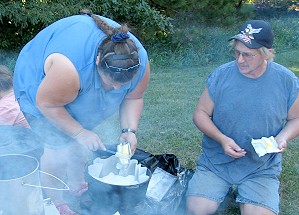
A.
pixel 126 130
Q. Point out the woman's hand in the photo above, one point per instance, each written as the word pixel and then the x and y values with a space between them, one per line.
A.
pixel 89 139
pixel 131 138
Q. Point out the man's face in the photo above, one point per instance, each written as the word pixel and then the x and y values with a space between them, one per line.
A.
pixel 251 62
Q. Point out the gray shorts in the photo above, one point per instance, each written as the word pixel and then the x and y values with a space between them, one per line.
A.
pixel 50 136
pixel 261 190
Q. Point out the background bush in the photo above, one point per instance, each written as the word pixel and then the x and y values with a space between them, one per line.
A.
pixel 22 20
pixel 179 31
pixel 151 20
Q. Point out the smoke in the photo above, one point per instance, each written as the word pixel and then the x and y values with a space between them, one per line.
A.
pixel 109 130
pixel 15 166
pixel 18 171
pixel 8 58
pixel 19 140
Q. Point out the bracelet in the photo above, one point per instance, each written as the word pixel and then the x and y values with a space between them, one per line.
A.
pixel 126 130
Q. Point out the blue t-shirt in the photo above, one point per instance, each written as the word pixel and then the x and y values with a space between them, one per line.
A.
pixel 246 108
pixel 78 38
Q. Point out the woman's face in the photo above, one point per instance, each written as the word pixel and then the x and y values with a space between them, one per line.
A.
pixel 107 81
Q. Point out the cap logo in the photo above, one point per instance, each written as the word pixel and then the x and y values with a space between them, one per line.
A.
pixel 247 34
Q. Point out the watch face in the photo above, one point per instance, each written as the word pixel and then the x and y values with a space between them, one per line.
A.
pixel 125 130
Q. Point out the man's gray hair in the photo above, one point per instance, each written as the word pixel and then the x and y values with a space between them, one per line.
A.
pixel 268 53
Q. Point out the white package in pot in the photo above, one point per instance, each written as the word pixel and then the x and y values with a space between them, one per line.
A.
pixel 106 171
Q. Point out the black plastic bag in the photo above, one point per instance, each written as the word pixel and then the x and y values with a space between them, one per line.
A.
pixel 173 202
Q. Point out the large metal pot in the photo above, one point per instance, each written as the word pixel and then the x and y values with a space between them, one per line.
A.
pixel 17 173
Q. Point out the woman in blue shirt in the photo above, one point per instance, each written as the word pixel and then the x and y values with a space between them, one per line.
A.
pixel 68 79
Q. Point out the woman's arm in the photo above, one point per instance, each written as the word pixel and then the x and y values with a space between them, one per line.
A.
pixel 131 109
pixel 60 87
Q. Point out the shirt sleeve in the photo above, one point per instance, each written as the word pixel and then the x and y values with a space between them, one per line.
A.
pixel 10 112
pixel 211 83
pixel 294 89
pixel 8 115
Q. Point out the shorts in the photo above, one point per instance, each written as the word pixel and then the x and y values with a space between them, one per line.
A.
pixel 50 136
pixel 261 190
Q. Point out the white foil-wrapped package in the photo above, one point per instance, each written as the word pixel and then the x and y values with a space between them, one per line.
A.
pixel 265 145
pixel 160 184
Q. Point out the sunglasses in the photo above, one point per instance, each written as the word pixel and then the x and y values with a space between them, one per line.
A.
pixel 119 70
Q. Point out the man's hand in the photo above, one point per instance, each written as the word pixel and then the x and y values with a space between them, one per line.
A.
pixel 282 143
pixel 232 149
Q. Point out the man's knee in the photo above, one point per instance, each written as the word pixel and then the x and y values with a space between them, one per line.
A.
pixel 201 206
pixel 248 209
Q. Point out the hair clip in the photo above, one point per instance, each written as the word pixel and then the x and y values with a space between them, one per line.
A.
pixel 119 37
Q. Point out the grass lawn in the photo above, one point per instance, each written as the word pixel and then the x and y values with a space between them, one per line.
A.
pixel 166 125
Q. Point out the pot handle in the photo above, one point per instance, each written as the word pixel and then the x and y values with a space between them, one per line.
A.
pixel 49 188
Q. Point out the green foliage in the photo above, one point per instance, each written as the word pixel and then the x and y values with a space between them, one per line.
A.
pixel 170 7
pixel 275 3
pixel 219 11
pixel 22 20
pixel 246 11
pixel 146 22
pixel 286 30
pixel 275 8
pixel 194 43
pixel 222 12
pixel 199 44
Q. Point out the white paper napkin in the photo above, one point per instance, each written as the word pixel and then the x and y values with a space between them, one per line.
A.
pixel 265 145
